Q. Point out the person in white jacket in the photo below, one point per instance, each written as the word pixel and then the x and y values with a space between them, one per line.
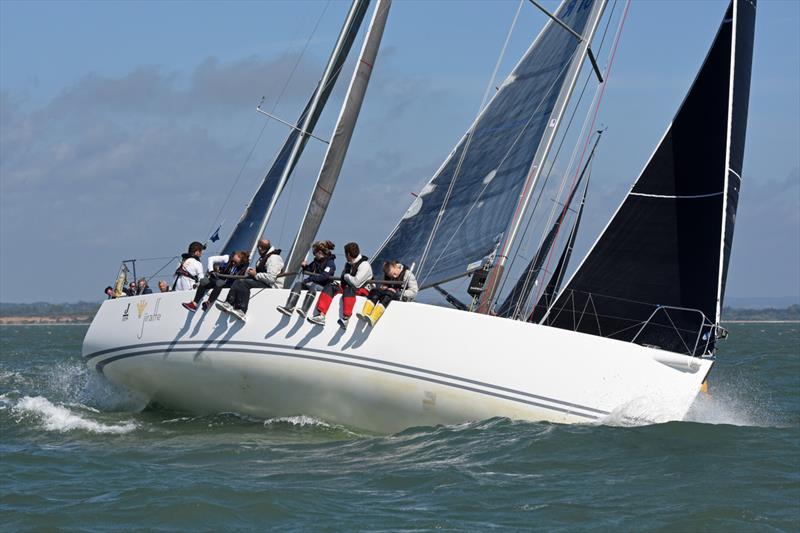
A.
pixel 263 276
pixel 190 270
pixel 355 281
pixel 400 285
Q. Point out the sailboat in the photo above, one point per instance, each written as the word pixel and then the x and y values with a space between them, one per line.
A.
pixel 632 332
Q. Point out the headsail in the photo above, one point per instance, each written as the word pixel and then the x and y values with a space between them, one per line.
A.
pixel 254 219
pixel 664 255
pixel 504 140
pixel 337 149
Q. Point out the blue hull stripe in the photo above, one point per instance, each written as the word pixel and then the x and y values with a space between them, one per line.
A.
pixel 231 346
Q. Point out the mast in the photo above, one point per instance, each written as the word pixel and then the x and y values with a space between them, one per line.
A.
pixel 254 220
pixel 343 133
pixel 542 152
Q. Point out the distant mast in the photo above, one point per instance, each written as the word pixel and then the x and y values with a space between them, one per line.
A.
pixel 254 220
pixel 343 133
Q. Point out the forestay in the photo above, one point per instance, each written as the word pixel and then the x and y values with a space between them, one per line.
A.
pixel 668 244
pixel 500 147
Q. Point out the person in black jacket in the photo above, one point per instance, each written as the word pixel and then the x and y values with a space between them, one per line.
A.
pixel 235 265
pixel 320 273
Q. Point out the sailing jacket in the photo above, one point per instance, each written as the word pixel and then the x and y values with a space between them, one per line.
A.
pixel 189 273
pixel 321 271
pixel 268 267
pixel 358 273
pixel 227 267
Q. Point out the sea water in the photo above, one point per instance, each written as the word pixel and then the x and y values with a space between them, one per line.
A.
pixel 78 455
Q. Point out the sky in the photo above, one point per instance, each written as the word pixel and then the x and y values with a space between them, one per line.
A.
pixel 128 129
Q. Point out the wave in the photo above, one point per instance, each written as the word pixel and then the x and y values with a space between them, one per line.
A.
pixel 59 418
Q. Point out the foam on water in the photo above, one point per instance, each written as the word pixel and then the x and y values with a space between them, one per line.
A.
pixel 299 421
pixel 59 418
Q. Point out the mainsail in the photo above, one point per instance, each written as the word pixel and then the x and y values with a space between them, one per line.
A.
pixel 254 219
pixel 663 258
pixel 492 162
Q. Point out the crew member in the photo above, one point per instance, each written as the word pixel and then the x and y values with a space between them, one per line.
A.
pixel 218 264
pixel 190 270
pixel 142 287
pixel 354 282
pixel 320 273
pixel 263 276
pixel 400 285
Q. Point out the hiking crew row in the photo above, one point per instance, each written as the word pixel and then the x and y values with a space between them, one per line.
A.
pixel 316 278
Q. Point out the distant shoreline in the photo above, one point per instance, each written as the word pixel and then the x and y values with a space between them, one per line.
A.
pixel 82 320
pixel 761 321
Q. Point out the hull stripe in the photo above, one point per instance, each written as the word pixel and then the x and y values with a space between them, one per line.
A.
pixel 224 346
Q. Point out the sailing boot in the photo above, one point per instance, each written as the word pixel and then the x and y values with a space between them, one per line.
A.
pixel 309 299
pixel 376 314
pixel 369 305
pixel 191 306
pixel 290 303
pixel 343 322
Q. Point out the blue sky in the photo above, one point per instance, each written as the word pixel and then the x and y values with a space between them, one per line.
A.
pixel 123 125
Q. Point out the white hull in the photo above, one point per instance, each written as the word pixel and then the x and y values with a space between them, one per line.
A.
pixel 422 365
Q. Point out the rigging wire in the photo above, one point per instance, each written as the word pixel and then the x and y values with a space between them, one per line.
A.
pixel 594 118
pixel 260 133
pixel 274 107
pixel 552 166
pixel 468 141
pixel 477 200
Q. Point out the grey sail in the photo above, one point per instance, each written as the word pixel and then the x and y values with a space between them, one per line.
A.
pixel 500 148
pixel 337 149
pixel 656 275
pixel 255 217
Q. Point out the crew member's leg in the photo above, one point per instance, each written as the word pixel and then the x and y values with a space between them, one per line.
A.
pixel 311 294
pixel 291 301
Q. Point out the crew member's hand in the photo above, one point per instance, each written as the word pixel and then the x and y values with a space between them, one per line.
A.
pixel 303 263
pixel 251 272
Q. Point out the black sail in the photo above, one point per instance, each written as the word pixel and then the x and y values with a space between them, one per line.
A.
pixel 668 245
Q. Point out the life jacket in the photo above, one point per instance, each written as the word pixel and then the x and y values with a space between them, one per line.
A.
pixel 261 265
pixel 233 269
pixel 352 268
pixel 181 271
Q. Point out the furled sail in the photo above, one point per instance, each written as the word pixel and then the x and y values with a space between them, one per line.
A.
pixel 255 217
pixel 553 286
pixel 516 299
pixel 337 149
pixel 500 147
pixel 663 258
